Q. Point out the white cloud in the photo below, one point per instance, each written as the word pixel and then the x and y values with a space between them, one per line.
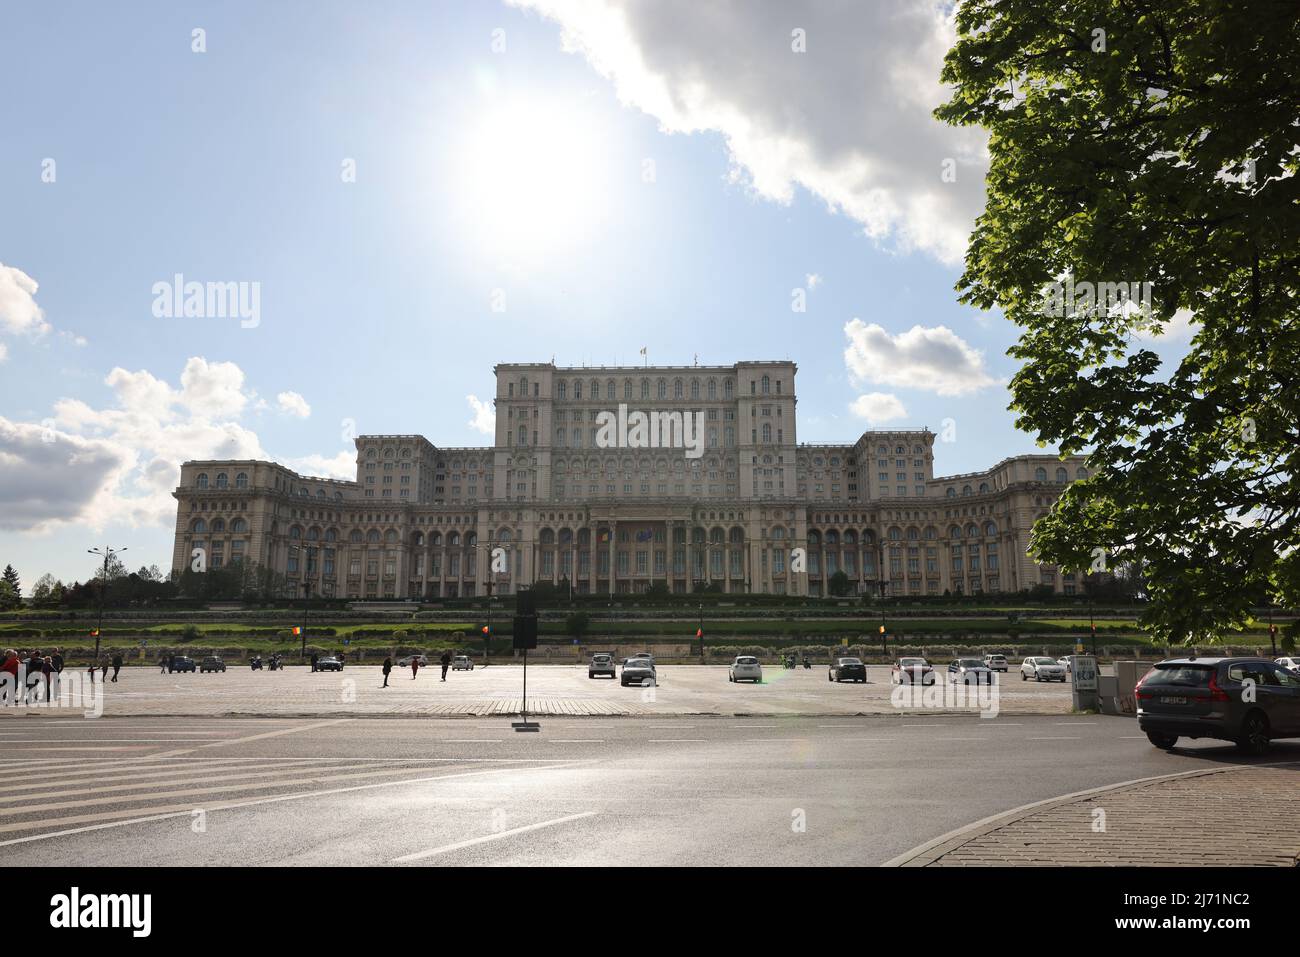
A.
pixel 813 280
pixel 1179 328
pixel 878 407
pixel 18 310
pixel 4 352
pixel 48 476
pixel 340 466
pixel 291 403
pixel 848 120
pixel 485 417
pixel 120 464
pixel 72 337
pixel 935 359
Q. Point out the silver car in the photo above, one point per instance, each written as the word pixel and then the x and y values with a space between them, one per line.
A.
pixel 601 664
pixel 1042 669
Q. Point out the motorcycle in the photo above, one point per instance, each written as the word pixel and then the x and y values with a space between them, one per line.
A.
pixel 807 664
pixel 255 663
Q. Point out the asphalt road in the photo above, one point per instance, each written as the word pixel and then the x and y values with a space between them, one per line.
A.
pixel 417 791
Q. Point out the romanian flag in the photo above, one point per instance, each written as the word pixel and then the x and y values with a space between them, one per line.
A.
pixel 297 630
pixel 486 630
pixel 94 633
pixel 699 632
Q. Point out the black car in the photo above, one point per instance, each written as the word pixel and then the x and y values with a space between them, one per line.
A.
pixel 212 663
pixel 1248 701
pixel 639 671
pixel 329 664
pixel 847 669
pixel 180 663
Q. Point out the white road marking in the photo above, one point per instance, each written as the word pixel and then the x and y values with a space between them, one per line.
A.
pixel 473 740
pixel 1074 738
pixel 187 810
pixel 673 740
pixel 420 855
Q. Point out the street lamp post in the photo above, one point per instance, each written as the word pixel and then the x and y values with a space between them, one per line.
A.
pixel 306 605
pixel 107 553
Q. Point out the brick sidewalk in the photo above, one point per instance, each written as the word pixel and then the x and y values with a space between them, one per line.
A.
pixel 1228 816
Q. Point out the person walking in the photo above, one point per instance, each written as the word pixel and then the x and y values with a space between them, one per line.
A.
pixel 57 659
pixel 162 664
pixel 117 664
pixel 314 659
pixel 415 665
pixel 47 672
pixel 445 661
pixel 388 668
pixel 104 676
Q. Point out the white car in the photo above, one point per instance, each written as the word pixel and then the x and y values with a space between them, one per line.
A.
pixel 406 662
pixel 1042 669
pixel 996 662
pixel 745 668
pixel 601 664
pixel 1290 664
pixel 462 663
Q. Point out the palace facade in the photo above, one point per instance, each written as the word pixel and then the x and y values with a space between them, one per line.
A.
pixel 602 511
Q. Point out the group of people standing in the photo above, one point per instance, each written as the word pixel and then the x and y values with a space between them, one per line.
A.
pixel 445 661
pixel 43 670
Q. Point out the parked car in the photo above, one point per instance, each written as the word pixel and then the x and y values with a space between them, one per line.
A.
pixel 1067 662
pixel 847 669
pixel 180 663
pixel 462 663
pixel 912 671
pixel 639 671
pixel 329 663
pixel 601 664
pixel 1042 669
pixel 996 662
pixel 1249 701
pixel 969 671
pixel 745 668
pixel 402 662
pixel 1290 664
pixel 212 663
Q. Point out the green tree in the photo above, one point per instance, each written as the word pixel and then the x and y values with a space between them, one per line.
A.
pixel 838 584
pixel 11 579
pixel 1149 142
pixel 9 599
pixel 577 624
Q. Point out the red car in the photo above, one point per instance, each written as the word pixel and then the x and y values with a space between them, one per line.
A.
pixel 910 671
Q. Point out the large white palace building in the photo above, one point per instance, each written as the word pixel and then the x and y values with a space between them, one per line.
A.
pixel 576 496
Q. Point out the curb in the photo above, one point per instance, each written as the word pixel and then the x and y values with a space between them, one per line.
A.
pixel 925 854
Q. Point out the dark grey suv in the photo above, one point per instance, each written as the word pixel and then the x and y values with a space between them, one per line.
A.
pixel 1246 700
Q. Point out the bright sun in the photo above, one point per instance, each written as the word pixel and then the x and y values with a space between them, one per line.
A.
pixel 533 180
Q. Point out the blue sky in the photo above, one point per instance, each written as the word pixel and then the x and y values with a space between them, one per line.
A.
pixel 377 295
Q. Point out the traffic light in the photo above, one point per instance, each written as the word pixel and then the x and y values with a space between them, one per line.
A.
pixel 882 629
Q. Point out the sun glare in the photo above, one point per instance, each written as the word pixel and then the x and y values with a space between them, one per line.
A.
pixel 533 179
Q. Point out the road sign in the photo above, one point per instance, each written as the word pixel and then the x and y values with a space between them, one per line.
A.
pixel 1083 670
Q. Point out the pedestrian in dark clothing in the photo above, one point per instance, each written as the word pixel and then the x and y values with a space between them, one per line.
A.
pixel 57 660
pixel 162 665
pixel 34 665
pixel 47 672
pixel 104 676
pixel 313 661
pixel 117 665
pixel 388 667
pixel 415 665
pixel 445 661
